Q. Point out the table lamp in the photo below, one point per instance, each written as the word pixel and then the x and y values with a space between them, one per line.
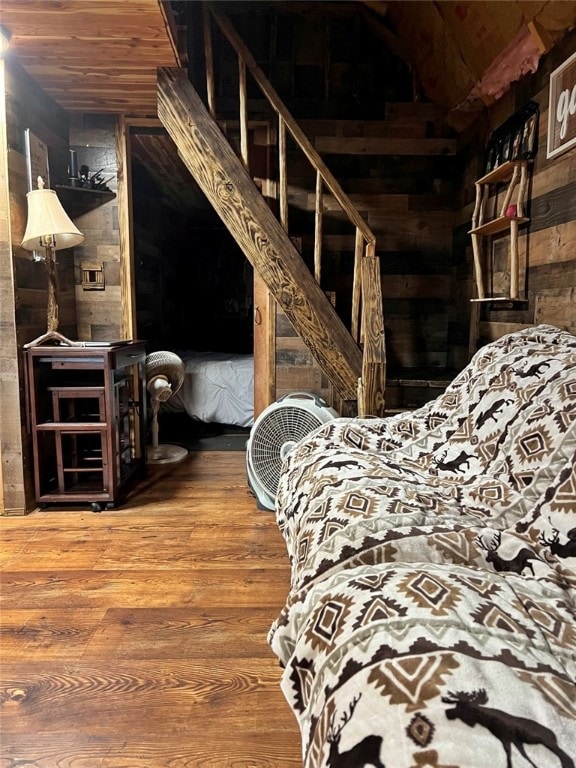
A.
pixel 49 228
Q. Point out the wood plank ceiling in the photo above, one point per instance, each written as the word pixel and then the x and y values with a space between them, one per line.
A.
pixel 102 55
pixel 97 56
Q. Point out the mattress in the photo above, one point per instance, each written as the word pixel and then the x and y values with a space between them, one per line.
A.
pixel 218 387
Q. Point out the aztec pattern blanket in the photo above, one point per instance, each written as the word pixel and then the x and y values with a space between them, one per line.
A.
pixel 431 620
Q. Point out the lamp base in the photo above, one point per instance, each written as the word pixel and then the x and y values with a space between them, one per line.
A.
pixel 53 336
pixel 165 454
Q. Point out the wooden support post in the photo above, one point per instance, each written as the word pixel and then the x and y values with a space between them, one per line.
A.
pixel 361 400
pixel 513 259
pixel 210 93
pixel 14 491
pixel 485 194
pixel 477 217
pixel 521 199
pixel 373 382
pixel 243 114
pixel 318 228
pixel 126 229
pixel 357 285
pixel 478 273
pixel 282 175
pixel 510 191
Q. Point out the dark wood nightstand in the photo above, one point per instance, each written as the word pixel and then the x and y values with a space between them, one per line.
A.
pixel 87 417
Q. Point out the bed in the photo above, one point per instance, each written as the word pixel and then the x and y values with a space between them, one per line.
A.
pixel 431 620
pixel 218 387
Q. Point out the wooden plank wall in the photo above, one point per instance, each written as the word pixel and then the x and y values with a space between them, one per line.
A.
pixel 400 173
pixel 99 313
pixel 547 246
pixel 23 283
pixel 296 369
pixel 396 159
pixel 30 107
pixel 12 493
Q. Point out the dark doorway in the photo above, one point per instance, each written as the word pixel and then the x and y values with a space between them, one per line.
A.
pixel 193 283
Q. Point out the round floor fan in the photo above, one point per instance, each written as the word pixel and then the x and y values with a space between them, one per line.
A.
pixel 164 376
pixel 274 434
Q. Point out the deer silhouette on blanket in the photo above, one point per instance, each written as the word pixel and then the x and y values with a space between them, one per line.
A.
pixel 455 464
pixel 522 559
pixel 365 753
pixel 567 549
pixel 537 369
pixel 493 412
pixel 510 730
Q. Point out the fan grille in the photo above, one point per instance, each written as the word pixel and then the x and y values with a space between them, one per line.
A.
pixel 166 364
pixel 288 423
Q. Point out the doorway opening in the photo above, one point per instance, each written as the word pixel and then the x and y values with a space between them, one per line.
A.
pixel 194 297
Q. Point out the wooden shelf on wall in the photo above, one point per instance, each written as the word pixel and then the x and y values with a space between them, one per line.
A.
pixel 510 216
pixel 79 200
pixel 494 226
pixel 502 172
pixel 502 302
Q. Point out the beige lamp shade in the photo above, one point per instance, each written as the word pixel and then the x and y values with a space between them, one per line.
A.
pixel 48 223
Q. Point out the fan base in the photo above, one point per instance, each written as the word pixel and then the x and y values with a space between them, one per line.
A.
pixel 166 454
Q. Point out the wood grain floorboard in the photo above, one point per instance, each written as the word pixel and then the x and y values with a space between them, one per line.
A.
pixel 136 638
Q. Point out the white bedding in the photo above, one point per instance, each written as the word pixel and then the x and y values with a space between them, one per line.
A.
pixel 218 387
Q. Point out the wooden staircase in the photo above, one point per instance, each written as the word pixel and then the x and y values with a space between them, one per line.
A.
pixel 353 359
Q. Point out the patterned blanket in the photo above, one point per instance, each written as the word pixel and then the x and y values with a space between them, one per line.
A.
pixel 431 616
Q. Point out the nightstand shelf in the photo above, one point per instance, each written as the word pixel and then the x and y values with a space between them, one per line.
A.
pixel 86 412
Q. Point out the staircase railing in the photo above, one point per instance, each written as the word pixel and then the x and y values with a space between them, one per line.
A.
pixel 367 319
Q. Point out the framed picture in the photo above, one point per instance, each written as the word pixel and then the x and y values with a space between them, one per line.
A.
pixel 562 108
pixel 516 139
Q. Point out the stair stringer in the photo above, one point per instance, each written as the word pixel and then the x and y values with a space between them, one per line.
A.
pixel 231 191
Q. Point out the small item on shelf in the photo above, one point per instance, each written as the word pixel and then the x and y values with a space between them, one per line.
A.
pixel 73 168
pixel 512 211
pixel 84 176
pixel 98 182
pixel 95 181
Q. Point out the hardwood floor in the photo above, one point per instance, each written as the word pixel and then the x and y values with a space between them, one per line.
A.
pixel 136 638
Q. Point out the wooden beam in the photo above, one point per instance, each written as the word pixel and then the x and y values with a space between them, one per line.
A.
pixel 373 382
pixel 127 281
pixel 233 194
pixel 264 346
pixel 12 483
